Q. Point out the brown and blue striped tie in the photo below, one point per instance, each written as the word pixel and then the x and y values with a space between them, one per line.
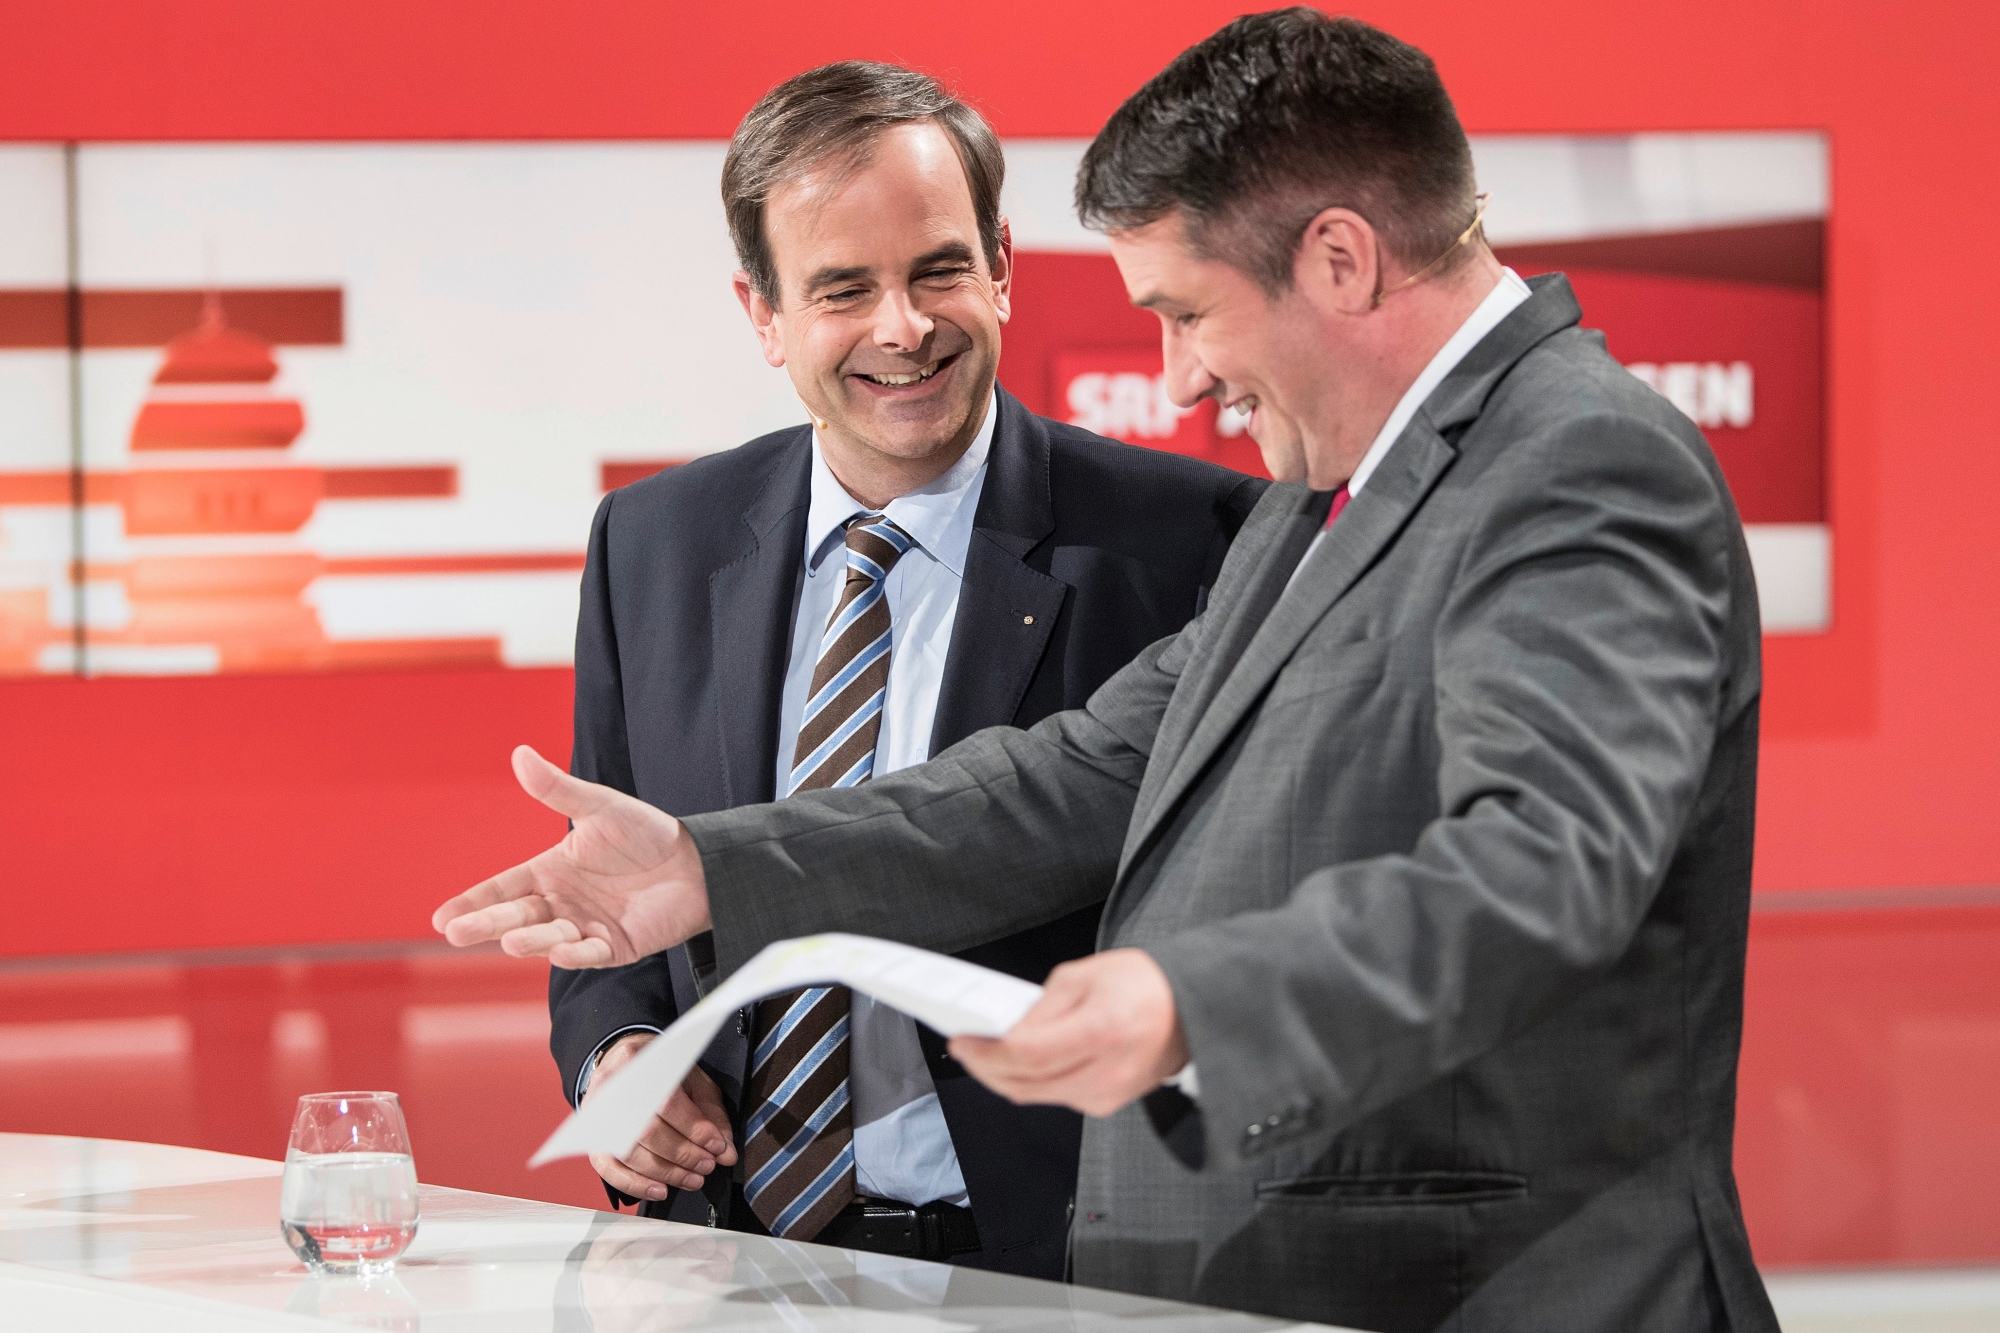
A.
pixel 798 1157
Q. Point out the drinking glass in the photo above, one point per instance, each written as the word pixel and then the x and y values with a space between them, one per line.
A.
pixel 349 1203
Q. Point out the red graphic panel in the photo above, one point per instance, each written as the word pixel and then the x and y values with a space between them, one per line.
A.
pixel 32 318
pixel 1742 358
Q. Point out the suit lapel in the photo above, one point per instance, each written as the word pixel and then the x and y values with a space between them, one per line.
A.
pixel 1239 624
pixel 1366 528
pixel 750 608
pixel 1256 643
pixel 1006 608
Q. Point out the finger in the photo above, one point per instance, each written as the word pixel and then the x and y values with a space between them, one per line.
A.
pixel 701 1090
pixel 1060 996
pixel 624 1179
pixel 515 882
pixel 554 788
pixel 1038 1075
pixel 691 1121
pixel 584 953
pixel 718 1115
pixel 669 1146
pixel 537 941
pixel 649 1163
pixel 490 923
pixel 1075 1089
pixel 1041 1048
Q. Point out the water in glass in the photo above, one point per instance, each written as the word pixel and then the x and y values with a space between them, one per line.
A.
pixel 349 1202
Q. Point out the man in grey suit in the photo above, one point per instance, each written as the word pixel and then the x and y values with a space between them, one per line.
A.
pixel 1425 848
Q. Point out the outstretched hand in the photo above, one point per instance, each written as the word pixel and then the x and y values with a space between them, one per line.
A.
pixel 625 883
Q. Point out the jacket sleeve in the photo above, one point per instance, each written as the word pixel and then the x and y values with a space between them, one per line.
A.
pixel 588 1008
pixel 1004 831
pixel 1578 671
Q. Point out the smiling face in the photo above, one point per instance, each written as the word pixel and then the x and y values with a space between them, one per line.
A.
pixel 889 318
pixel 1298 362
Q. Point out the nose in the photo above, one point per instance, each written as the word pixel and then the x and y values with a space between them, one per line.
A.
pixel 899 325
pixel 1188 381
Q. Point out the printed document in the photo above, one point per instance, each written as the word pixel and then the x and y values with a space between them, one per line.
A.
pixel 950 995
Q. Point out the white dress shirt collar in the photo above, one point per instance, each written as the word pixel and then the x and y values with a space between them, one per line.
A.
pixel 1507 293
pixel 936 516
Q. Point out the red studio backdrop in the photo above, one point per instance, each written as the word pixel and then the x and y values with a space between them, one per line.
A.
pixel 1877 733
pixel 142 814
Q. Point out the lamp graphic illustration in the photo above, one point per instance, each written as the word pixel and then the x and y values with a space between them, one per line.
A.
pixel 214 575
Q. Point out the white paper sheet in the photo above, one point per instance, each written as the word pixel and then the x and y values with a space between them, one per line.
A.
pixel 946 993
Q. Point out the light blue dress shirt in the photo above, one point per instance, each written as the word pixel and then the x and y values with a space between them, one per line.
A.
pixel 902 1147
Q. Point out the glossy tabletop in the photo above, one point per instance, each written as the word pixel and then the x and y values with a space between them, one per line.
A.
pixel 98 1234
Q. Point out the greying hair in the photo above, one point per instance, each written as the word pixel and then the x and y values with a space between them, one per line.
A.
pixel 833 114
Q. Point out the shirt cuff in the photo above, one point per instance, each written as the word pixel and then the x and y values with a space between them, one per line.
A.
pixel 1185 1080
pixel 590 1064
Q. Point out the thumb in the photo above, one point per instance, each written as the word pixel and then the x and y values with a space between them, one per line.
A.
pixel 554 788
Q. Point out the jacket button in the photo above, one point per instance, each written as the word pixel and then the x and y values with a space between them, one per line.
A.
pixel 1027 620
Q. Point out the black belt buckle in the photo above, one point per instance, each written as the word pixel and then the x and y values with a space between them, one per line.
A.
pixel 947 1230
pixel 888 1228
pixel 936 1231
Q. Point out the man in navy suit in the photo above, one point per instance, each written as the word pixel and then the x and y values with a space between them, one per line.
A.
pixel 832 602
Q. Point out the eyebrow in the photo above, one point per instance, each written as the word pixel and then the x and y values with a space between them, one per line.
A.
pixel 1153 301
pixel 828 277
pixel 952 252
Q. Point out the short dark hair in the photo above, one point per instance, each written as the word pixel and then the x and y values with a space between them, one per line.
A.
pixel 833 114
pixel 1251 133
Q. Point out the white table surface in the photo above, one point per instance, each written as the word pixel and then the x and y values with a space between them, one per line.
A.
pixel 97 1234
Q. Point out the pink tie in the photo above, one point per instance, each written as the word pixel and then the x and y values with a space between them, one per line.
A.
pixel 1340 499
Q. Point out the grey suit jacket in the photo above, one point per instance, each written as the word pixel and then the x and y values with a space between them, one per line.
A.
pixel 1445 851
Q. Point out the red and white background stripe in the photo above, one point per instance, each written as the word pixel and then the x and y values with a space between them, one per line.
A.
pixel 421 365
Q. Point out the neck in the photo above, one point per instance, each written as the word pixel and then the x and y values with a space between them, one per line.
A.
pixel 874 477
pixel 1414 324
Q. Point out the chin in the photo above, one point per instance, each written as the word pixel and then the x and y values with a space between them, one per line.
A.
pixel 1285 464
pixel 907 440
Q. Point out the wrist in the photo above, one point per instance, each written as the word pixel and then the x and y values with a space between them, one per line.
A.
pixel 625 1043
pixel 624 1048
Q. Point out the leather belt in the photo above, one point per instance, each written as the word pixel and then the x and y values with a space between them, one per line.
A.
pixel 935 1231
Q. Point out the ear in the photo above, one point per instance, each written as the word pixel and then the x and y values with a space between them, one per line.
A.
pixel 763 318
pixel 1003 274
pixel 1339 261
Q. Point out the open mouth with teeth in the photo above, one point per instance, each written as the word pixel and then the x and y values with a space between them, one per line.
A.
pixel 907 379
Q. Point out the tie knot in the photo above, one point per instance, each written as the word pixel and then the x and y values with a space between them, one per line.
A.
pixel 1340 499
pixel 875 544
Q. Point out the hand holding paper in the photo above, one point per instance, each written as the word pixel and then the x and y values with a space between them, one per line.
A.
pixel 1109 1035
pixel 1105 1033
pixel 625 883
pixel 952 996
pixel 686 1140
